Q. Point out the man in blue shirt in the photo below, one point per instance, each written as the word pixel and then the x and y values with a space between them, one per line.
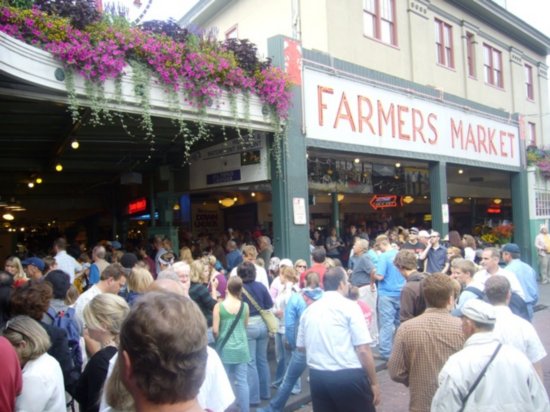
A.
pixel 526 275
pixel 435 255
pixel 234 256
pixel 390 284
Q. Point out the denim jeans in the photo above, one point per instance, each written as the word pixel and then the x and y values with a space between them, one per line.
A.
pixel 259 378
pixel 283 357
pixel 238 376
pixel 296 367
pixel 388 318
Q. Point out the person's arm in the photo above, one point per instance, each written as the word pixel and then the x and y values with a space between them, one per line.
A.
pixel 216 320
pixel 364 354
pixel 447 398
pixel 424 253
pixel 406 306
pixel 397 367
pixel 291 320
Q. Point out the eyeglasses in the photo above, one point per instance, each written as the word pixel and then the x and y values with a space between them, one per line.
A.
pixel 301 266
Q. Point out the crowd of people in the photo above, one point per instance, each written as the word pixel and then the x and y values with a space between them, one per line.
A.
pixel 138 327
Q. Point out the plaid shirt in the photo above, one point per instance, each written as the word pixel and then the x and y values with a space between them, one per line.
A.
pixel 422 346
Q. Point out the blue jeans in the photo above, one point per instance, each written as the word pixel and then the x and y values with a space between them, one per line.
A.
pixel 388 319
pixel 259 378
pixel 283 357
pixel 238 376
pixel 296 367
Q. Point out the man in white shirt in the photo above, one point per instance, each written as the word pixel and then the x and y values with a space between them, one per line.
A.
pixel 335 337
pixel 509 384
pixel 510 328
pixel 65 262
pixel 249 255
pixel 489 262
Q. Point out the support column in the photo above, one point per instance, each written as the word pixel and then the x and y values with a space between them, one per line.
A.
pixel 520 214
pixel 289 184
pixel 438 197
pixel 335 213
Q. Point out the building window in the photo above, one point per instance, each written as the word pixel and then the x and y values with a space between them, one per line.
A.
pixel 444 44
pixel 529 82
pixel 471 54
pixel 492 61
pixel 379 20
pixel 532 134
pixel 231 33
pixel 542 204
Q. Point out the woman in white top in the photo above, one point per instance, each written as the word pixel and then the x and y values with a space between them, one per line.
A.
pixel 43 387
pixel 469 247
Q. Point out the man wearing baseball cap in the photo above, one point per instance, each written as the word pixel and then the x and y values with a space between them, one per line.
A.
pixel 34 267
pixel 472 379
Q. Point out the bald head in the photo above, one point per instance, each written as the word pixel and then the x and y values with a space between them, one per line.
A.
pixel 168 285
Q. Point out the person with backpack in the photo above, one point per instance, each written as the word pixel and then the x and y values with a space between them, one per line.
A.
pixel 33 299
pixel 103 316
pixel 297 304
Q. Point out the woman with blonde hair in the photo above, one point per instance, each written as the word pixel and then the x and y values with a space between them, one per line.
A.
pixel 43 387
pixel 138 282
pixel 103 317
pixel 199 292
pixel 14 267
pixel 300 266
pixel 186 255
pixel 211 273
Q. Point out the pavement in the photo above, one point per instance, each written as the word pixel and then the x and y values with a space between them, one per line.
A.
pixel 395 396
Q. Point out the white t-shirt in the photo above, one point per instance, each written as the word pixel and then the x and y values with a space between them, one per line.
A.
pixel 261 275
pixel 43 387
pixel 482 276
pixel 83 301
pixel 215 393
pixel 67 264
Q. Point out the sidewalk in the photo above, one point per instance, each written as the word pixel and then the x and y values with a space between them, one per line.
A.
pixel 395 396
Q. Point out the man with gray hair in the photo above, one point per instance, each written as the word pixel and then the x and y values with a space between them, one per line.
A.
pixel 99 265
pixel 510 328
pixel 472 379
pixel 490 258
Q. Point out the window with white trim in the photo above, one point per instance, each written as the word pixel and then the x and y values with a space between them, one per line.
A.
pixel 379 20
pixel 542 204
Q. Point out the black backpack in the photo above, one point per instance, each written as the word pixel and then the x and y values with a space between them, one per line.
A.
pixel 517 305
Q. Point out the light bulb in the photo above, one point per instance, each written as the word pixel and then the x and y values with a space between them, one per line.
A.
pixel 59 167
pixel 39 180
pixel 74 144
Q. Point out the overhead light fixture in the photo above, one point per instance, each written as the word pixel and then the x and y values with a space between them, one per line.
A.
pixel 398 165
pixel 30 185
pixel 8 216
pixel 340 197
pixel 38 180
pixel 176 206
pixel 407 199
pixel 459 200
pixel 227 201
pixel 58 167
pixel 460 171
pixel 74 144
pixel 253 194
pixel 356 160
pixel 497 201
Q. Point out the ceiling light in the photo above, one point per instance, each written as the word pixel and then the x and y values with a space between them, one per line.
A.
pixel 176 206
pixel 38 180
pixel 253 194
pixel 460 171
pixel 227 201
pixel 340 197
pixel 8 216
pixel 59 167
pixel 356 160
pixel 74 144
pixel 407 199
pixel 459 200
pixel 398 165
pixel 30 185
pixel 497 201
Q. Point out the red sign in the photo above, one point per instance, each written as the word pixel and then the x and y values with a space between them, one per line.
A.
pixel 495 210
pixel 383 201
pixel 136 206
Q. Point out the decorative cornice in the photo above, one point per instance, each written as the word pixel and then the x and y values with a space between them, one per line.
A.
pixel 419 7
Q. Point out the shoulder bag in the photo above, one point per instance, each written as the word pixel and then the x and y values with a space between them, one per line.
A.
pixel 231 328
pixel 474 386
pixel 268 317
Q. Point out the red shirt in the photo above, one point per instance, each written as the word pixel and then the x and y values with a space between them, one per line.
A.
pixel 319 268
pixel 11 381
